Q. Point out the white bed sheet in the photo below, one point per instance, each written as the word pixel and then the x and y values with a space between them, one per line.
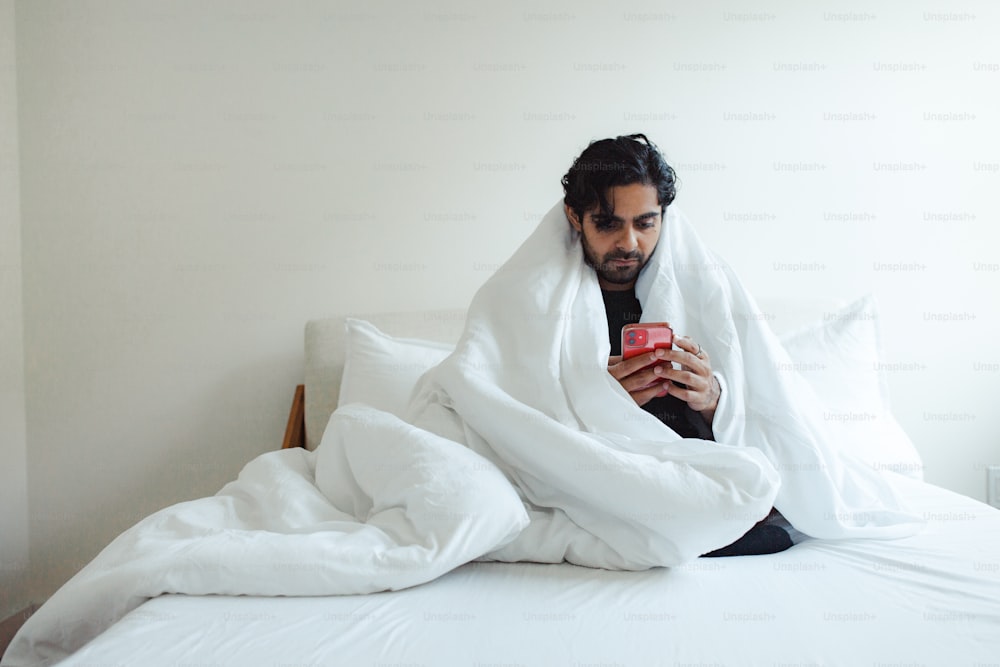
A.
pixel 931 599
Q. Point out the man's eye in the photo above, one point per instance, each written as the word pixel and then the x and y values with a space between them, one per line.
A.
pixel 603 224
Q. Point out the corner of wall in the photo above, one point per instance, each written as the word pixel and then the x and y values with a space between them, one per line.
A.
pixel 14 563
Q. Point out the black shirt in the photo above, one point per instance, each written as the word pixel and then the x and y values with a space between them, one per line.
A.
pixel 623 308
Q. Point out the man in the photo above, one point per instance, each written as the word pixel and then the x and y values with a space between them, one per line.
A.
pixel 616 195
pixel 534 388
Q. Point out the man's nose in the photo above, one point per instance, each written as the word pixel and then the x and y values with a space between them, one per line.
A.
pixel 628 240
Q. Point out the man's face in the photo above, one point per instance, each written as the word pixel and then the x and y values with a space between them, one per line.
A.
pixel 618 246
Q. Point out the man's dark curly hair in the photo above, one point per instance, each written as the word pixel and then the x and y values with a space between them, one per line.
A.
pixel 607 163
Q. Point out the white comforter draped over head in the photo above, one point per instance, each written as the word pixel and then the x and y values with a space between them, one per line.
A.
pixel 606 483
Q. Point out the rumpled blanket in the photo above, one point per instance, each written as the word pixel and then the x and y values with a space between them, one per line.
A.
pixel 519 446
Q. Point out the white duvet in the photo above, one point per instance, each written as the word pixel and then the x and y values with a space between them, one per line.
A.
pixel 520 446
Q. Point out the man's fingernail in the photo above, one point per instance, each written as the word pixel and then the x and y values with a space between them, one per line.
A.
pixel 660 354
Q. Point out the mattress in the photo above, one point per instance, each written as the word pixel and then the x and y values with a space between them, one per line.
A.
pixel 930 599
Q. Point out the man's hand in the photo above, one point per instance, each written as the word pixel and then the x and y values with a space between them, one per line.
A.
pixel 698 387
pixel 652 375
pixel 638 376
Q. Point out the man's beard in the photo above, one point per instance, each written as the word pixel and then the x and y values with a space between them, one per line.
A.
pixel 607 271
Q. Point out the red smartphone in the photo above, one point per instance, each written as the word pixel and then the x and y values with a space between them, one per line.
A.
pixel 645 337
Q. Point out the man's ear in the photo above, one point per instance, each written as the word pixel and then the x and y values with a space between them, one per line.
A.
pixel 573 220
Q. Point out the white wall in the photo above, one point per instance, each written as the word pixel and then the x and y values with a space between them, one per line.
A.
pixel 14 593
pixel 199 179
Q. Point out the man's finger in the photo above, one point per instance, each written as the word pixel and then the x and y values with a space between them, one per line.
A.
pixel 691 380
pixel 686 344
pixel 641 380
pixel 687 359
pixel 646 395
pixel 627 367
pixel 694 349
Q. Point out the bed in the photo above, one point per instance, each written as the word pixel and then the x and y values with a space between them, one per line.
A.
pixel 930 599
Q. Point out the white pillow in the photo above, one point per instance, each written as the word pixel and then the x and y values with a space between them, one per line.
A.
pixel 840 358
pixel 381 370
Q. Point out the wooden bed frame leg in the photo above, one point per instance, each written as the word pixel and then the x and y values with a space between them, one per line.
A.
pixel 295 431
